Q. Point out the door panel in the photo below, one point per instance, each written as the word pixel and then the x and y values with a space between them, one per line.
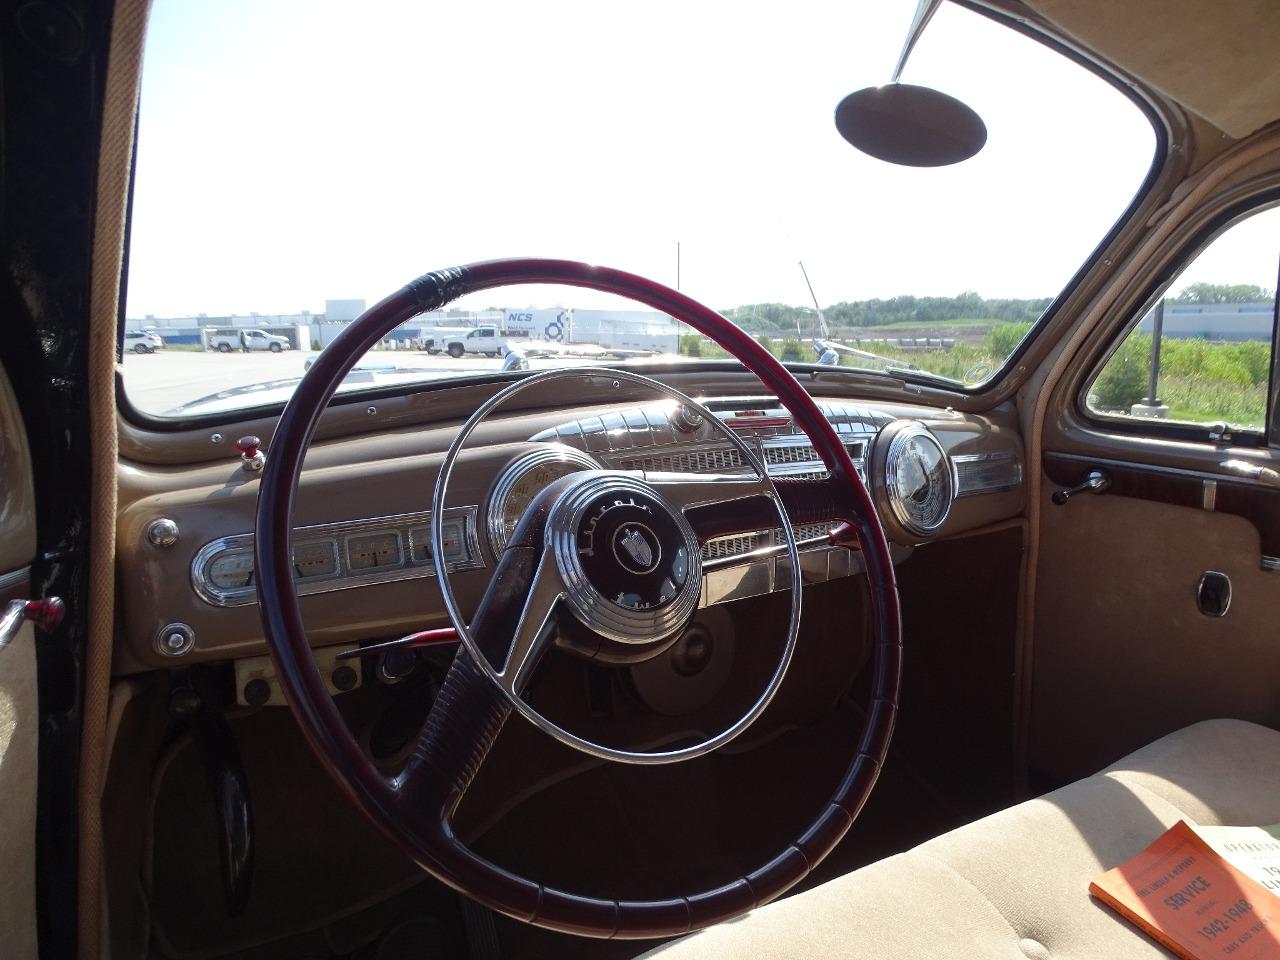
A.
pixel 17 499
pixel 18 767
pixel 19 717
pixel 1122 654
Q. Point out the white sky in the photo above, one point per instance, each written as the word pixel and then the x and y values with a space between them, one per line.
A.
pixel 294 150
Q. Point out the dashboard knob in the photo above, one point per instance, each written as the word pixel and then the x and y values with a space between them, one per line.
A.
pixel 686 420
pixel 175 640
pixel 163 532
pixel 345 678
pixel 251 457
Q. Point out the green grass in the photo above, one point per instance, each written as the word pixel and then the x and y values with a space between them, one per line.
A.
pixel 1200 381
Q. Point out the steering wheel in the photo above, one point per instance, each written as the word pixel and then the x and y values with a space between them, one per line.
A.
pixel 656 527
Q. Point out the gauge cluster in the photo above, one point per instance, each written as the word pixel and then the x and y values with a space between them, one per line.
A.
pixel 917 479
pixel 521 480
pixel 336 556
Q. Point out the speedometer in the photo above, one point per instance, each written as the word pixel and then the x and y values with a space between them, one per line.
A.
pixel 917 479
pixel 521 481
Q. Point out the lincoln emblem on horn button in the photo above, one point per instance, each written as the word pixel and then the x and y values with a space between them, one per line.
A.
pixel 636 547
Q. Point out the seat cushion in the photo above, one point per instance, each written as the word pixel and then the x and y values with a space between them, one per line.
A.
pixel 1015 884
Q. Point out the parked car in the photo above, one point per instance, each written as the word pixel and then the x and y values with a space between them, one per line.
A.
pixel 143 341
pixel 232 338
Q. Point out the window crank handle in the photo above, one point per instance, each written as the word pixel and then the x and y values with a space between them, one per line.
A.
pixel 1096 482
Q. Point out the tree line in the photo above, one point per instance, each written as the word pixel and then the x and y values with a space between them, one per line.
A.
pixel 782 317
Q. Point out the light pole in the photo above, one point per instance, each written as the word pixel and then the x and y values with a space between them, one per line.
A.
pixel 1150 405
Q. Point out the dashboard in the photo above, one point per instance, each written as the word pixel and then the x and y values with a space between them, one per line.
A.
pixel 362 550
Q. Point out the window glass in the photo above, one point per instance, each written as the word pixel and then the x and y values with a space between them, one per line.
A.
pixel 1209 338
pixel 300 159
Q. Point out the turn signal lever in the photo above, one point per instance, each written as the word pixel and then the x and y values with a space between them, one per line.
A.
pixel 1096 482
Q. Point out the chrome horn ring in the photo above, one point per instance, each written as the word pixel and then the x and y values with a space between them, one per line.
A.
pixel 503 683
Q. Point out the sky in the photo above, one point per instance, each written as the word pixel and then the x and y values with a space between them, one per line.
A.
pixel 294 151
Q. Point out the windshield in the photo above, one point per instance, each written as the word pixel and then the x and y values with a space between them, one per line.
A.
pixel 296 163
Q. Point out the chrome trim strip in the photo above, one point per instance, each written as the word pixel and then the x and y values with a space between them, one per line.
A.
pixel 336 534
pixel 14 579
pixel 1271 564
pixel 765 553
pixel 965 487
pixel 1210 495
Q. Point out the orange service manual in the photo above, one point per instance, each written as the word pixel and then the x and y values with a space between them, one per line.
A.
pixel 1183 894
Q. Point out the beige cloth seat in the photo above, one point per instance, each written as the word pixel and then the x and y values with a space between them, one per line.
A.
pixel 1015 885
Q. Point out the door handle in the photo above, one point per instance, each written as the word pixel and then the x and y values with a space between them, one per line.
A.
pixel 1253 471
pixel 1097 481
pixel 45 614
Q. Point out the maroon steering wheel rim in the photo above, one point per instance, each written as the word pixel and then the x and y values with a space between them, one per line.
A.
pixel 414 809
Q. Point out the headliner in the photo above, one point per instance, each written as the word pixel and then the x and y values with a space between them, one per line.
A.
pixel 1218 59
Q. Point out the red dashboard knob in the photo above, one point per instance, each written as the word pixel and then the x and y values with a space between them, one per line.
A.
pixel 248 446
pixel 45 614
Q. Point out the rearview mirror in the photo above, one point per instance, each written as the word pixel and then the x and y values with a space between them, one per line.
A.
pixel 910 125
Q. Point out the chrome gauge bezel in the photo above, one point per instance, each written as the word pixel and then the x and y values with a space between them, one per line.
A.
pixel 335 537
pixel 510 477
pixel 904 433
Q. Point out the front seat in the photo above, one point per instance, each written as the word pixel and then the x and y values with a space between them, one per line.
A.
pixel 1015 885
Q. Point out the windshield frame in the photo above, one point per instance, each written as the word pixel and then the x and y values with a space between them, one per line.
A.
pixel 905 384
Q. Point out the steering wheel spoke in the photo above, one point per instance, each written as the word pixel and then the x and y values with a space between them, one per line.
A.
pixel 534 628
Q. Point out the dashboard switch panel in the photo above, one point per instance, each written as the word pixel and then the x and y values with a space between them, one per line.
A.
pixel 339 556
pixel 257 685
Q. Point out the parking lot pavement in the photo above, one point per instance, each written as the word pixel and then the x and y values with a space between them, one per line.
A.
pixel 157 383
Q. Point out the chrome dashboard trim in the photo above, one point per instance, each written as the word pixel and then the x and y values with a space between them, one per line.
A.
pixel 618 441
pixel 965 467
pixel 14 579
pixel 512 473
pixel 335 535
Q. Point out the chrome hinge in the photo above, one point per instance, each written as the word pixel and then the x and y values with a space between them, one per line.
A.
pixel 1221 433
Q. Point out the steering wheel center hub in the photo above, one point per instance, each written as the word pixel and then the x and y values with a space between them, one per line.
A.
pixel 630 561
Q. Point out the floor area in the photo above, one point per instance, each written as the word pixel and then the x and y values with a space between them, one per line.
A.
pixel 327 886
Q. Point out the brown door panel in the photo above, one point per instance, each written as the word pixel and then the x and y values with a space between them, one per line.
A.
pixel 1256 502
pixel 1122 654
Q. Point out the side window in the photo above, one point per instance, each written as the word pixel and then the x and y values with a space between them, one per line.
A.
pixel 1202 354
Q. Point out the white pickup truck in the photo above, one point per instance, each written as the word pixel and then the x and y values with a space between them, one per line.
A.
pixel 233 338
pixel 483 340
pixel 435 339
